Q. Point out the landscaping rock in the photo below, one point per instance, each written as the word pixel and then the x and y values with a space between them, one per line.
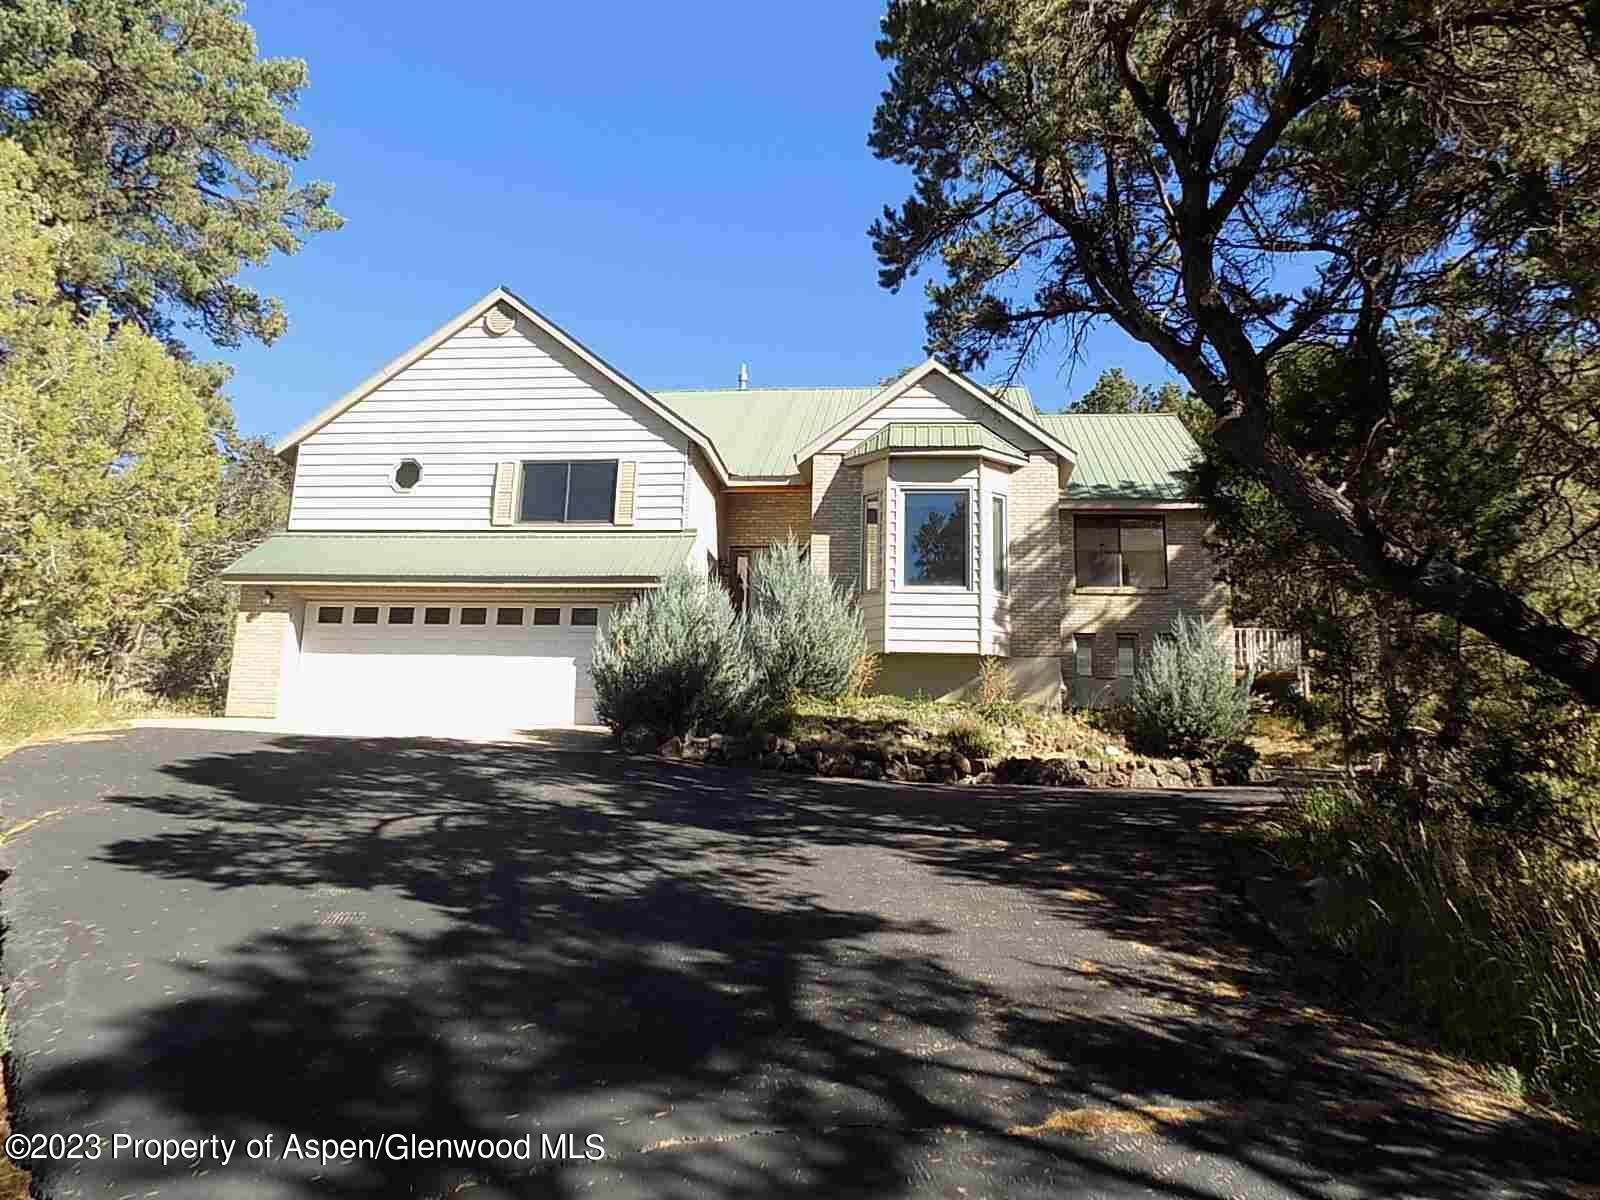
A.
pixel 639 739
pixel 769 743
pixel 786 746
pixel 671 748
pixel 771 761
pixel 962 765
pixel 867 769
pixel 913 773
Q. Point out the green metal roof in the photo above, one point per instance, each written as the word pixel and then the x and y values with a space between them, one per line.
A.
pixel 498 556
pixel 758 430
pixel 1127 456
pixel 944 435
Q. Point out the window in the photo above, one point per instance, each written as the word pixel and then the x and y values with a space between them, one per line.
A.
pixel 871 523
pixel 406 474
pixel 508 616
pixel 402 616
pixel 1121 552
pixel 547 616
pixel 474 616
pixel 936 539
pixel 436 616
pixel 1127 654
pixel 1083 655
pixel 999 538
pixel 364 616
pixel 330 615
pixel 569 491
pixel 586 616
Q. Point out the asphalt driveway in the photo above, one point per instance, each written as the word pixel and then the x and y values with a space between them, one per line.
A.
pixel 734 985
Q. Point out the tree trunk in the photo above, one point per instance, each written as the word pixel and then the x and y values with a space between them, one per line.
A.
pixel 1435 584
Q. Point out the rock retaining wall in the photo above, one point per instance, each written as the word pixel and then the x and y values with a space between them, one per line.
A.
pixel 912 764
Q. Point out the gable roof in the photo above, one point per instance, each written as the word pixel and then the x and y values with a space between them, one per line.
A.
pixel 935 435
pixel 759 429
pixel 501 295
pixel 1027 420
pixel 1126 456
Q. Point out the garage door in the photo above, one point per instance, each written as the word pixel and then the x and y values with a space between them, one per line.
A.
pixel 417 667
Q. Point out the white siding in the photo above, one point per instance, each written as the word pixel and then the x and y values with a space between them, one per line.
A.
pixel 934 401
pixel 926 619
pixel 472 401
pixel 701 506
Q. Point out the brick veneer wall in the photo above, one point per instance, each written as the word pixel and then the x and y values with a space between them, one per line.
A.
pixel 761 518
pixel 1034 495
pixel 836 519
pixel 260 631
pixel 1192 588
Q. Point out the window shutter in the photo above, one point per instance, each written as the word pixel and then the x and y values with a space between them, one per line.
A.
pixel 624 506
pixel 502 511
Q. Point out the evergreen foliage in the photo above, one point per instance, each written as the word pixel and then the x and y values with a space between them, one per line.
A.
pixel 1185 697
pixel 804 631
pixel 674 660
pixel 162 140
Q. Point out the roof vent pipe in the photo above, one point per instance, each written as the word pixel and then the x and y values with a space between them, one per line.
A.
pixel 744 376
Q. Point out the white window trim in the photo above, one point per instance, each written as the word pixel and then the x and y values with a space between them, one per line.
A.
pixel 902 584
pixel 874 580
pixel 516 499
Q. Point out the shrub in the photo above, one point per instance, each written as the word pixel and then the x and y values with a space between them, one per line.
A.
pixel 1233 761
pixel 1185 697
pixel 673 660
pixel 863 673
pixel 975 739
pixel 1489 938
pixel 804 632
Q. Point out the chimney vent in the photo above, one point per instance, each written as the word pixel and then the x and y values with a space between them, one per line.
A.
pixel 744 376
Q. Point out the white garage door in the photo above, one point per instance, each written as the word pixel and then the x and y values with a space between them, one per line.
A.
pixel 416 668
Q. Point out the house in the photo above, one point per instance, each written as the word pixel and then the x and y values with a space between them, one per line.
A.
pixel 463 522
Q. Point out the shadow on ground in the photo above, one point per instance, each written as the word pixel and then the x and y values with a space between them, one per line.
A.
pixel 665 954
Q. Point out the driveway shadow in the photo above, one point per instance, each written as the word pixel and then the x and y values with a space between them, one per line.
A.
pixel 523 939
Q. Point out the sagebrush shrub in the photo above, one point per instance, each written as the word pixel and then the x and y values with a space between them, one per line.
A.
pixel 804 632
pixel 1185 697
pixel 674 660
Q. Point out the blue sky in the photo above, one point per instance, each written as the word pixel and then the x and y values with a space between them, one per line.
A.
pixel 682 187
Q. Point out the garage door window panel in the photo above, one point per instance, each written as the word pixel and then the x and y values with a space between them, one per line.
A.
pixel 364 615
pixel 402 616
pixel 508 616
pixel 586 616
pixel 330 615
pixel 474 616
pixel 569 492
pixel 547 616
pixel 436 616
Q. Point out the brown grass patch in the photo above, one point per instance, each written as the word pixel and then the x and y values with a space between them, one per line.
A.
pixel 1101 1122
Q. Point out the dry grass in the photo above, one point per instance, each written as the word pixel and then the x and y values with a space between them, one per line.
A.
pixel 41 705
pixel 1489 940
pixel 927 724
pixel 1282 742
